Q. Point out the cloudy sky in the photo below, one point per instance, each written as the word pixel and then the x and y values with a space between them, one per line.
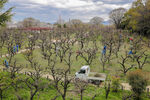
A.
pixel 50 10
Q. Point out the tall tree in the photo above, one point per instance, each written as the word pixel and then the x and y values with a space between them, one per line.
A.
pixel 75 22
pixel 137 18
pixel 116 16
pixel 96 20
pixel 4 16
pixel 30 22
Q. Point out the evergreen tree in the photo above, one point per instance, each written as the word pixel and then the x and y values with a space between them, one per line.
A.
pixel 4 16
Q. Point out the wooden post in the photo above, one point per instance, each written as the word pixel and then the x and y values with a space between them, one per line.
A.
pixel 148 92
pixel 47 77
pixel 122 87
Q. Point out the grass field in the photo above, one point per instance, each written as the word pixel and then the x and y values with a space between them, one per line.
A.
pixel 111 69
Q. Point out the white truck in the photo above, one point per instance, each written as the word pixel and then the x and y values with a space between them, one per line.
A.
pixel 91 77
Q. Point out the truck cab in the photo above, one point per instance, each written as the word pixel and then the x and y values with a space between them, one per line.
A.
pixel 83 72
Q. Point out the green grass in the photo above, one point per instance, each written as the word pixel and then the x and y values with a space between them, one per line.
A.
pixel 112 68
pixel 96 66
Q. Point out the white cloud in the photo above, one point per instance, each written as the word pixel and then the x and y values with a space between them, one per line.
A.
pixel 83 9
pixel 74 5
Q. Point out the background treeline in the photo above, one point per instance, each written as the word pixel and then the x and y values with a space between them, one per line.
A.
pixel 137 18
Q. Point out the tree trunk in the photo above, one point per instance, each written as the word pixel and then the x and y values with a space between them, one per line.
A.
pixel 69 69
pixel 82 45
pixel 81 95
pixel 103 67
pixel 107 94
pixel 61 59
pixel 63 97
pixel 1 94
pixel 33 94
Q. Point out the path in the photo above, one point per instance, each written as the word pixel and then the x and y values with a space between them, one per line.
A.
pixel 20 51
pixel 126 86
pixel 44 75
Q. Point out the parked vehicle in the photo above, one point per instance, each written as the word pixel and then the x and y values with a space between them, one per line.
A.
pixel 91 77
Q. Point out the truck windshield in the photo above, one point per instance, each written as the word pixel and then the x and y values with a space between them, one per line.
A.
pixel 82 72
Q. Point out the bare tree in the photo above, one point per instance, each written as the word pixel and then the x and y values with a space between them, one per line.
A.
pixel 43 37
pixel 136 44
pixel 96 20
pixel 119 41
pixel 62 82
pixel 19 38
pixel 30 48
pixel 32 38
pixel 103 60
pixel 30 22
pixel 61 79
pixel 92 35
pixel 139 60
pixel 48 52
pixel 10 47
pixel 3 38
pixel 127 97
pixel 16 79
pixel 4 85
pixel 34 80
pixel 88 55
pixel 68 60
pixel 81 86
pixel 110 47
pixel 75 22
pixel 123 62
pixel 14 69
pixel 61 48
pixel 82 36
pixel 109 40
pixel 107 87
pixel 17 85
pixel 116 16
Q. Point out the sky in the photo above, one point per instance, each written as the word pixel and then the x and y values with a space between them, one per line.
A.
pixel 50 10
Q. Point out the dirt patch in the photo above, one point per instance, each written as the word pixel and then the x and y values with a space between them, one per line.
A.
pixel 126 86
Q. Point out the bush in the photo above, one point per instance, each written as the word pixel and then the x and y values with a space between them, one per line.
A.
pixel 115 83
pixel 138 83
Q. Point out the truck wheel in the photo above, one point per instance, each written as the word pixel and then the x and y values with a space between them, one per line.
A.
pixel 97 82
pixel 89 81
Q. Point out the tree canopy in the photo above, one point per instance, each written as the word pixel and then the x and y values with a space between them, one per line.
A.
pixel 4 16
pixel 137 18
pixel 116 16
pixel 96 20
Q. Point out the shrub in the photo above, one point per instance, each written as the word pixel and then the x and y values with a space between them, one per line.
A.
pixel 115 83
pixel 138 83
